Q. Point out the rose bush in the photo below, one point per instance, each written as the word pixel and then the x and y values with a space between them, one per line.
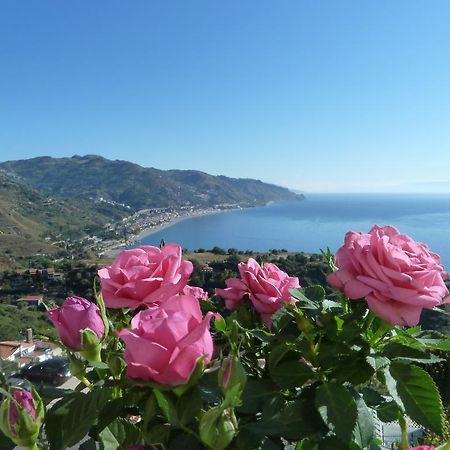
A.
pixel 267 288
pixel 156 372
pixel 398 276
pixel 144 275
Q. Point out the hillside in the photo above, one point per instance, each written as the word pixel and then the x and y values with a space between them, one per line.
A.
pixel 139 187
pixel 30 221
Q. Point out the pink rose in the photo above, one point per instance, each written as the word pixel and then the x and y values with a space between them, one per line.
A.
pixel 267 287
pixel 74 316
pixel 398 276
pixel 25 400
pixel 196 292
pixel 166 341
pixel 144 275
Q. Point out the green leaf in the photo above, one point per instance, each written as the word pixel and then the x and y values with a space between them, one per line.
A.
pixel 292 374
pixel 364 429
pixel 329 305
pixel 88 445
pixel 377 361
pixel 331 401
pixel 183 441
pixel 299 419
pixel 110 412
pixel 399 352
pixel 302 301
pixel 167 407
pixel 353 369
pixel 388 411
pixel 315 293
pixel 108 440
pixel 70 419
pixel 189 405
pixel 414 391
pixel 256 394
pixel 281 318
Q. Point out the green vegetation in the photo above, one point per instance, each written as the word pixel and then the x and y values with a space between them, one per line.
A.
pixel 33 223
pixel 139 187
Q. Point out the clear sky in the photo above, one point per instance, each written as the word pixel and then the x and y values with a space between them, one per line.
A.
pixel 315 95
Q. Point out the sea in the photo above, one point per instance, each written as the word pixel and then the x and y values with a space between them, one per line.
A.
pixel 318 222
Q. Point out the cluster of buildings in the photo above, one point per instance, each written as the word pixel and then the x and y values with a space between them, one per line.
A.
pixel 30 351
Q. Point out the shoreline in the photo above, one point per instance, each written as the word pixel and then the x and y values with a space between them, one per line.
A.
pixel 114 250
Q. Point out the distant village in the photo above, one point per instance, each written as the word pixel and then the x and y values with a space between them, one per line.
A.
pixel 130 229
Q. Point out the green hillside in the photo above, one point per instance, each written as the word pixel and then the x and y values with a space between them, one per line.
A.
pixel 139 187
pixel 31 222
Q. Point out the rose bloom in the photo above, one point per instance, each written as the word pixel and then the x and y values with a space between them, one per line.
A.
pixel 75 315
pixel 267 287
pixel 166 341
pixel 144 275
pixel 398 276
pixel 196 292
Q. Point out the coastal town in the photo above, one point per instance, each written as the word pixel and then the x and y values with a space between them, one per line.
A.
pixel 124 233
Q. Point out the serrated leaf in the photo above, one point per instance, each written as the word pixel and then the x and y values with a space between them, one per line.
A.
pixel 302 301
pixel 331 400
pixel 71 418
pixel 108 440
pixel 377 361
pixel 315 293
pixel 388 411
pixel 329 305
pixel 292 374
pixel 256 394
pixel 418 395
pixel 167 407
pixel 364 429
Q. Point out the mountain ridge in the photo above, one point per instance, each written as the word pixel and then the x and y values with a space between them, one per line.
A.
pixel 137 186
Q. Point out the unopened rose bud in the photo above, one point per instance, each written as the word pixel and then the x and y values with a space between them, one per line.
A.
pixel 21 417
pixel 218 427
pixel 232 373
pixel 80 326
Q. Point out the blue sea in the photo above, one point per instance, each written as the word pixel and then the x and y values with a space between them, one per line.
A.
pixel 318 222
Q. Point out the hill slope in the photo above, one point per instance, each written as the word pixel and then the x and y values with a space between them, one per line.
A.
pixel 27 217
pixel 139 187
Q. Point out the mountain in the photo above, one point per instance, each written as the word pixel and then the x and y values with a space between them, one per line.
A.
pixel 30 220
pixel 139 187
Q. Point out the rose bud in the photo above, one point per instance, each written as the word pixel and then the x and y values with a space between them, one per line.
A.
pixel 218 426
pixel 167 341
pixel 21 417
pixel 80 326
pixel 232 373
pixel 144 276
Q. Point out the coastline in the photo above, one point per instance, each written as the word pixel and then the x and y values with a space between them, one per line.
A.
pixel 112 251
pixel 155 229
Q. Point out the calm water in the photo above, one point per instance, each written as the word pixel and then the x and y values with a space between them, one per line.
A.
pixel 319 221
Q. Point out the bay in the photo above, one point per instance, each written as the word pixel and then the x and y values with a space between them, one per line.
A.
pixel 315 223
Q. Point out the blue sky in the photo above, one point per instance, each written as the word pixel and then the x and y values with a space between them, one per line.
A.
pixel 315 95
